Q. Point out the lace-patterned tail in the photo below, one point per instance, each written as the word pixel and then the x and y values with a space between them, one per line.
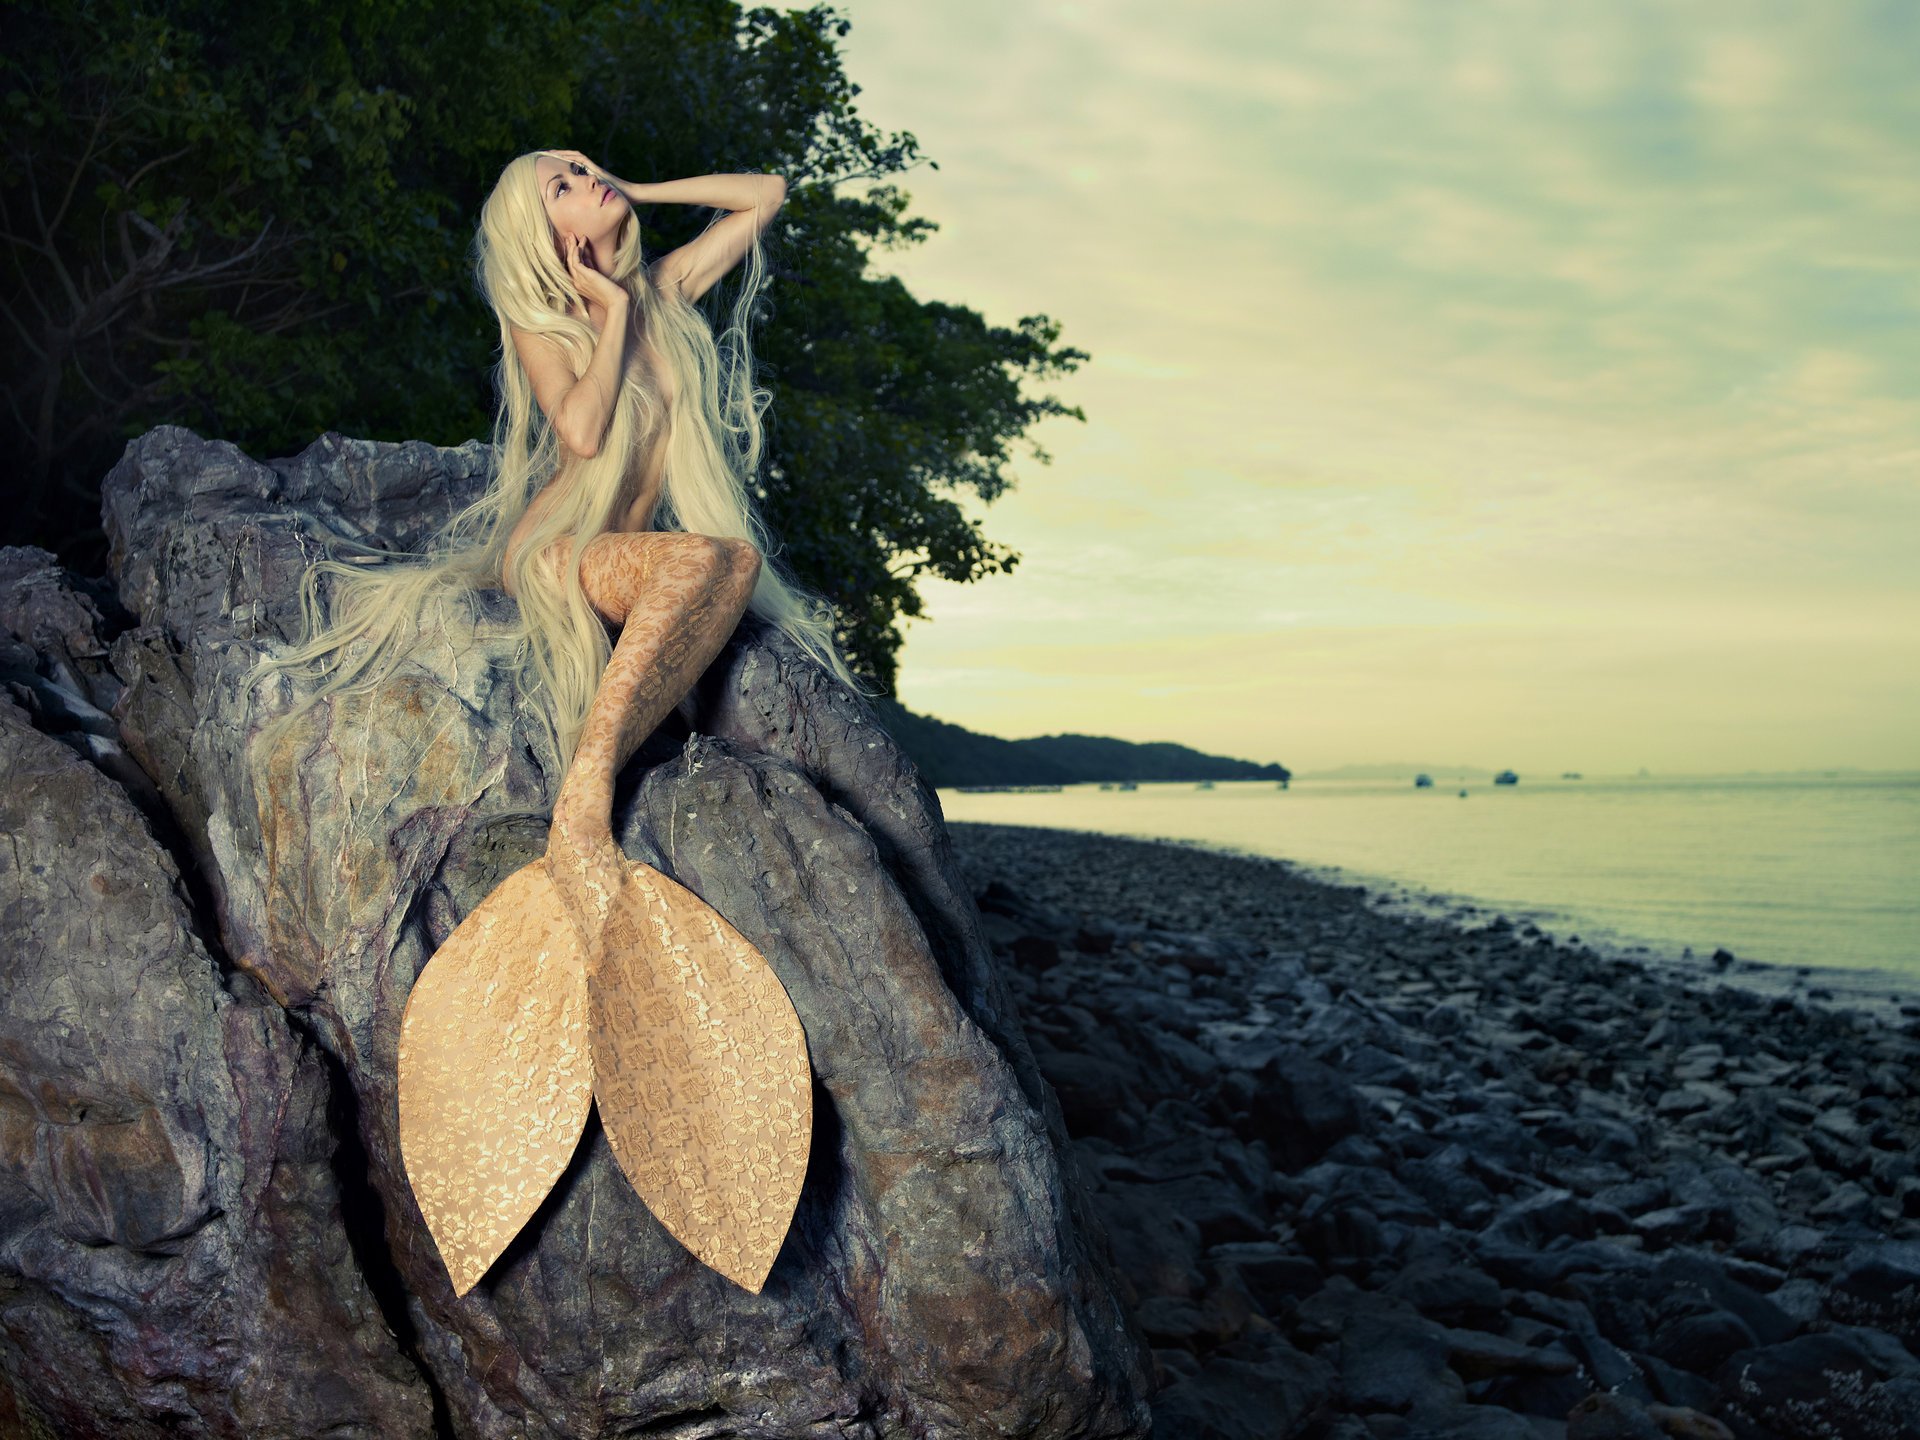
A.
pixel 700 1071
pixel 495 1072
pixel 676 1026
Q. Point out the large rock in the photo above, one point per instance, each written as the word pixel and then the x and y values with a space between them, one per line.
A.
pixel 943 1274
pixel 172 1252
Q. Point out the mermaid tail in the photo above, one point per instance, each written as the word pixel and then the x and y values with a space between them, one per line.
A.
pixel 682 1034
pixel 673 1024
pixel 495 1075
pixel 700 1070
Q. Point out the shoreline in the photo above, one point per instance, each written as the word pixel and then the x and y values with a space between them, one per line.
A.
pixel 1891 997
pixel 1367 1176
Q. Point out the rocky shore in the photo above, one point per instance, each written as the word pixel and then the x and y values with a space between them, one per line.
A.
pixel 1368 1175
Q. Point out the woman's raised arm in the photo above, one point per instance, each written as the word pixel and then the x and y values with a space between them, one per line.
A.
pixel 696 266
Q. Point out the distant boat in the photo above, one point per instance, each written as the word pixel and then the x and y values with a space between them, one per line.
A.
pixel 1570 775
pixel 1127 785
pixel 1204 785
pixel 1106 785
pixel 1506 777
pixel 1422 781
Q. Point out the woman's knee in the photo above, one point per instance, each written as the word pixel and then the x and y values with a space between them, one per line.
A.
pixel 726 558
pixel 743 563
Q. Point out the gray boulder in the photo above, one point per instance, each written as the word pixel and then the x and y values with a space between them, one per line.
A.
pixel 173 1254
pixel 943 1273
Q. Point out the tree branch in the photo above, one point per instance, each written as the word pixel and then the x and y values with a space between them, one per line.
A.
pixel 73 178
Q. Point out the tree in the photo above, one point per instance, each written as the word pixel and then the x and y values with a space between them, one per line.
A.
pixel 254 220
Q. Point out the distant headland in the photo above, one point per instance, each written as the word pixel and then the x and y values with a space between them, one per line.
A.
pixel 950 755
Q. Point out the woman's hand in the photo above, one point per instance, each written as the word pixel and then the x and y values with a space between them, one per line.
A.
pixel 588 280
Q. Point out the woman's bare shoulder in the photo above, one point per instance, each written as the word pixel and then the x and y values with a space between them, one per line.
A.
pixel 539 351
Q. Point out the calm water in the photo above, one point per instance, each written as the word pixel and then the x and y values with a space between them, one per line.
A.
pixel 1787 871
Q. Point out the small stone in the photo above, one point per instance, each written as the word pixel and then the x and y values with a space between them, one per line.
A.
pixel 1774 1388
pixel 1698 1343
pixel 1878 1286
pixel 1036 952
pixel 1605 1415
pixel 1847 1202
pixel 1672 1224
pixel 1475 1354
pixel 1388 1364
pixel 1675 1103
pixel 1269 1389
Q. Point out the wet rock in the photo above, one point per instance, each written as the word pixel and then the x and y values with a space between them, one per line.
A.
pixel 1820 1385
pixel 1449 1185
pixel 1093 942
pixel 1660 1228
pixel 1845 1201
pixel 1683 1422
pixel 1096 1095
pixel 1299 1107
pixel 1265 1391
pixel 1544 1399
pixel 1493 1139
pixel 1457 1420
pixel 1222 1215
pixel 1156 1244
pixel 1476 1355
pixel 1740 1208
pixel 1700 1342
pixel 1036 952
pixel 1388 1363
pixel 1269 1272
pixel 1607 1416
pixel 1448 1292
pixel 1674 1386
pixel 1534 1219
pixel 1611 1367
pixel 1878 1286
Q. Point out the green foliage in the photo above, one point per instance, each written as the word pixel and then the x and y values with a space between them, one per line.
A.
pixel 254 220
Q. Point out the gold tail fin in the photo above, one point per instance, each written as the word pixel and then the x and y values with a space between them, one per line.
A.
pixel 495 1071
pixel 700 1070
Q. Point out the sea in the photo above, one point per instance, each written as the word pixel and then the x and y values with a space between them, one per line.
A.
pixel 1810 882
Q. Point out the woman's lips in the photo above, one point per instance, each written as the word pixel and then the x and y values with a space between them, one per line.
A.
pixel 606 195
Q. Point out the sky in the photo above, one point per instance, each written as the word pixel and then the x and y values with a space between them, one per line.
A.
pixel 1485 383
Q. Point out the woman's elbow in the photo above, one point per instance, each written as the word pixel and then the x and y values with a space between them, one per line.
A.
pixel 583 446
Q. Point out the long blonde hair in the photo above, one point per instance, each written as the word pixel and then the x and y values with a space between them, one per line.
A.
pixel 713 449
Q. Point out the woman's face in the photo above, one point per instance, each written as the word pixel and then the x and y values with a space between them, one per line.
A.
pixel 578 204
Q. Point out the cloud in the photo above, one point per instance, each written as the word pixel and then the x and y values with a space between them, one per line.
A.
pixel 1583 319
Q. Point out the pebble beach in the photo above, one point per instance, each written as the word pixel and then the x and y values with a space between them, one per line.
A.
pixel 1370 1174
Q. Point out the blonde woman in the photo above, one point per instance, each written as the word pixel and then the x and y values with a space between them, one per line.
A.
pixel 625 441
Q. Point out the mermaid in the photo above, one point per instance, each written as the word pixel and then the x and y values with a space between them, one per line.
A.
pixel 624 447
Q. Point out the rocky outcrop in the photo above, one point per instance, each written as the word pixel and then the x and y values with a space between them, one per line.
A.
pixel 235 1243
